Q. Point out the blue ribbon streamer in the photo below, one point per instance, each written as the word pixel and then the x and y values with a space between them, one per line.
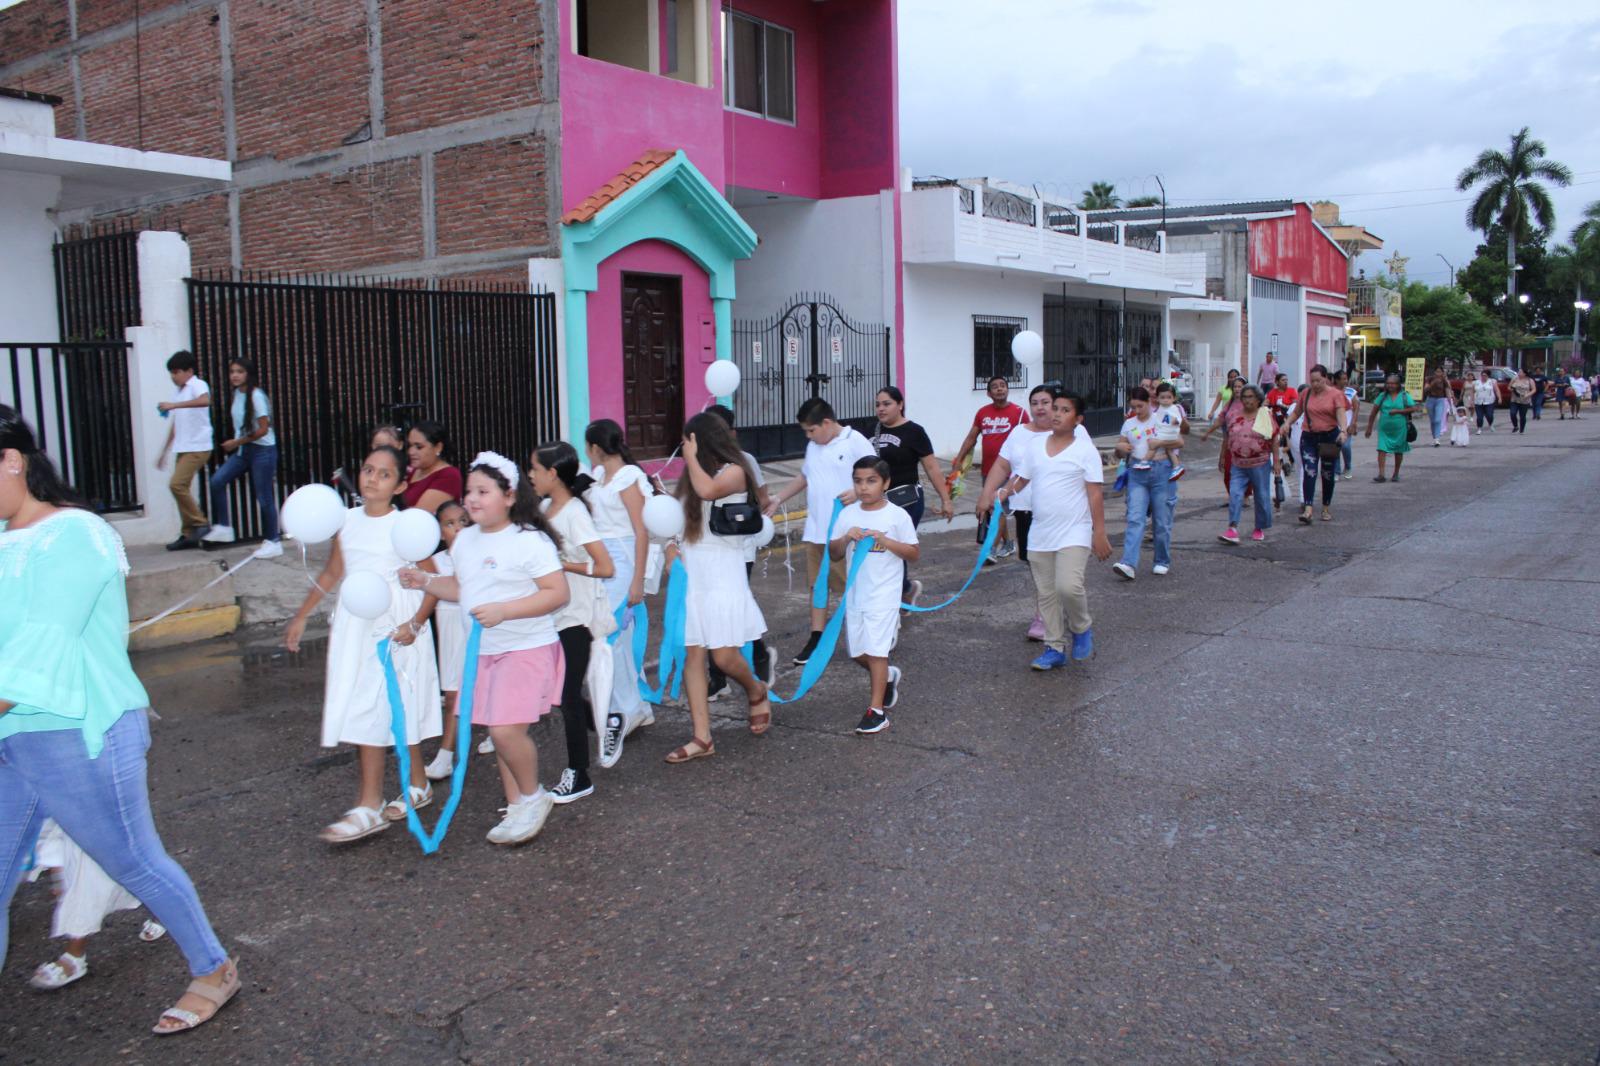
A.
pixel 828 642
pixel 402 752
pixel 977 567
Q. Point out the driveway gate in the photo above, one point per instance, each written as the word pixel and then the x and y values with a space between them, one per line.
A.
pixel 810 349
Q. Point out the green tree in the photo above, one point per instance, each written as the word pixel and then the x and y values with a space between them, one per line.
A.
pixel 1441 324
pixel 1512 196
pixel 1101 196
pixel 1144 201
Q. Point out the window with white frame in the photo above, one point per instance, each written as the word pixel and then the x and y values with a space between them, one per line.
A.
pixel 758 66
pixel 991 349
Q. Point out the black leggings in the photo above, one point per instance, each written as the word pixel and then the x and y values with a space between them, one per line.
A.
pixel 1024 519
pixel 1313 465
pixel 574 706
pixel 1519 416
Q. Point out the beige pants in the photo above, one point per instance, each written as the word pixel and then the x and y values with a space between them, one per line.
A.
pixel 184 468
pixel 1058 579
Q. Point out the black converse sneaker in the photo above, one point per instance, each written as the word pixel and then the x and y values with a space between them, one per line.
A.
pixel 874 721
pixel 611 740
pixel 574 785
pixel 891 691
pixel 804 655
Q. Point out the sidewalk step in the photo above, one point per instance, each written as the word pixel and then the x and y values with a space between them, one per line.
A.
pixel 157 581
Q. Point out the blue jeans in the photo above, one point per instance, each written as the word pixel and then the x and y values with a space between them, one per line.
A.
pixel 104 805
pixel 1538 403
pixel 1437 406
pixel 1152 491
pixel 1346 454
pixel 261 462
pixel 1259 478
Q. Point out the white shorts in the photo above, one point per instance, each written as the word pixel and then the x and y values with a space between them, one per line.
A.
pixel 872 633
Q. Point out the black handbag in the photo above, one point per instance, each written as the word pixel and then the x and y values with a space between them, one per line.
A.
pixel 735 519
pixel 903 496
pixel 1411 432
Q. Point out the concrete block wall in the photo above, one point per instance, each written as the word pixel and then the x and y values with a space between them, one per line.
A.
pixel 415 139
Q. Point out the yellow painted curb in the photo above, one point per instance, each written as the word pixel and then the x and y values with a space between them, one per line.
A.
pixel 187 627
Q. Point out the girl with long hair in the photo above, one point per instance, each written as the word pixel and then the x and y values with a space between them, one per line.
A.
pixel 585 619
pixel 616 502
pixel 253 450
pixel 509 579
pixel 722 615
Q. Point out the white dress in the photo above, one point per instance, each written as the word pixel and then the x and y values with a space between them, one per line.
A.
pixel 451 630
pixel 87 892
pixel 721 612
pixel 355 708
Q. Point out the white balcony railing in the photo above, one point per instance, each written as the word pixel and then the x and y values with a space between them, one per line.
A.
pixel 996 227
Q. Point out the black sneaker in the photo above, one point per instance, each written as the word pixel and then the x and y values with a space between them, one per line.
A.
pixel 891 691
pixel 803 656
pixel 183 543
pixel 715 694
pixel 574 785
pixel 611 740
pixel 874 721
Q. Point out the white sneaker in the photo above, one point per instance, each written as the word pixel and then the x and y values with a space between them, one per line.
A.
pixel 219 535
pixel 1124 570
pixel 1159 570
pixel 523 820
pixel 486 747
pixel 270 549
pixel 441 767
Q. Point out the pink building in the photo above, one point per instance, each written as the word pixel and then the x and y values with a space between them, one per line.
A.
pixel 728 191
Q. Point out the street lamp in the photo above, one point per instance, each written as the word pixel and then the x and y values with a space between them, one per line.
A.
pixel 1578 308
pixel 1449 264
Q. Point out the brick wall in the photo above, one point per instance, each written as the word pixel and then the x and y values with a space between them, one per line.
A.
pixel 322 183
pixel 489 195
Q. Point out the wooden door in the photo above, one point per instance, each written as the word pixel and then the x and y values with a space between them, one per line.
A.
pixel 652 363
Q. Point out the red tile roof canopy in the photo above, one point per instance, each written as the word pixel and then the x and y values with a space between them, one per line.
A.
pixel 634 173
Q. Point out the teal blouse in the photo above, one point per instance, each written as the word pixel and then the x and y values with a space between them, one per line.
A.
pixel 64 628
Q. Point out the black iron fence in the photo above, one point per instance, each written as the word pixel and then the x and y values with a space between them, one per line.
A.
pixel 97 285
pixel 337 357
pixel 76 398
pixel 810 349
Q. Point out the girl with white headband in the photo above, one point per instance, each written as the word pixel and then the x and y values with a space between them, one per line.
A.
pixel 508 576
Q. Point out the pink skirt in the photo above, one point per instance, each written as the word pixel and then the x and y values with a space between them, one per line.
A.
pixel 517 687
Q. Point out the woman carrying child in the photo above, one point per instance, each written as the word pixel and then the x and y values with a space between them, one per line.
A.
pixel 355 707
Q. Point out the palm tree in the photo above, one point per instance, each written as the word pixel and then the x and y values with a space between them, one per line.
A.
pixel 1511 193
pixel 1144 201
pixel 1101 196
pixel 1586 234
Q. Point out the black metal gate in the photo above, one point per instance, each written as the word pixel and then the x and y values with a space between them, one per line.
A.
pixel 1099 349
pixel 810 349
pixel 338 357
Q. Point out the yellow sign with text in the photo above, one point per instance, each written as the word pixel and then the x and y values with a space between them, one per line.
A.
pixel 1416 369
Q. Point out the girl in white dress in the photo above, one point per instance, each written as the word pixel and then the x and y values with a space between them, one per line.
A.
pixel 355 707
pixel 722 615
pixel 450 631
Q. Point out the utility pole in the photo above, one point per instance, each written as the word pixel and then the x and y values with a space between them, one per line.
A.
pixel 1449 264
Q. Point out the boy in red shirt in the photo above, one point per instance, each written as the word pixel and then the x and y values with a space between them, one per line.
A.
pixel 993 423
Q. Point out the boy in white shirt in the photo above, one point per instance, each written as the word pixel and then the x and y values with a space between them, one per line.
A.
pixel 192 439
pixel 872 608
pixel 824 477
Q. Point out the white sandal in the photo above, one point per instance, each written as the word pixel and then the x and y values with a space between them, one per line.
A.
pixel 358 822
pixel 53 975
pixel 152 931
pixel 395 809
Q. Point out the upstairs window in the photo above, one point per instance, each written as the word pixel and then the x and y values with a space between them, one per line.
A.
pixel 758 67
pixel 665 37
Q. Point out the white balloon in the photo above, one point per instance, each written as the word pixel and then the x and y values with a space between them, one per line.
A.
pixel 415 535
pixel 768 531
pixel 663 517
pixel 364 594
pixel 722 378
pixel 1028 349
pixel 313 514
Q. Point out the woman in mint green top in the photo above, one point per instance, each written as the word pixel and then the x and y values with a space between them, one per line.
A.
pixel 74 723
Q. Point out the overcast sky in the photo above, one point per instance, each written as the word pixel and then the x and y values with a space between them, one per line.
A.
pixel 1375 105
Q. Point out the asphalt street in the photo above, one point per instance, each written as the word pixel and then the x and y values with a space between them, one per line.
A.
pixel 1328 799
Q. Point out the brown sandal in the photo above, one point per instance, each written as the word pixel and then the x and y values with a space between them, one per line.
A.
pixel 695 749
pixel 761 721
pixel 217 996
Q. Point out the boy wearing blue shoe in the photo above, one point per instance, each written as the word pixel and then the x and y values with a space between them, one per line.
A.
pixel 872 606
pixel 1069 522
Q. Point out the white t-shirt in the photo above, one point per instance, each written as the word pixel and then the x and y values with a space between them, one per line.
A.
pixel 609 513
pixel 1169 421
pixel 1061 516
pixel 500 566
pixel 877 587
pixel 191 426
pixel 575 528
pixel 828 473
pixel 1023 438
pixel 1484 392
pixel 750 549
pixel 1139 434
